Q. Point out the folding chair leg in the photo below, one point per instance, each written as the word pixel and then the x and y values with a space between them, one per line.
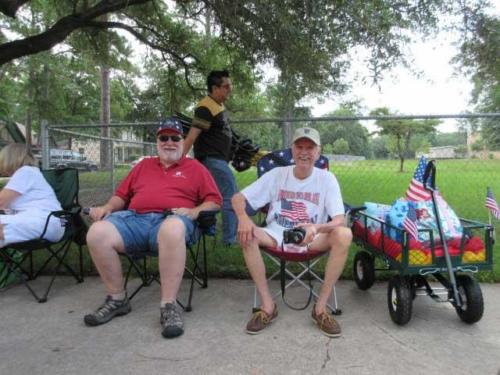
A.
pixel 146 279
pixel 81 261
pixel 16 268
pixel 198 274
pixel 332 304
pixel 24 277
pixel 54 254
pixel 205 267
pixel 335 307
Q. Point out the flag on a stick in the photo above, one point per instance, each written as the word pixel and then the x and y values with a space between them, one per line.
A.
pixel 410 222
pixel 416 191
pixel 491 203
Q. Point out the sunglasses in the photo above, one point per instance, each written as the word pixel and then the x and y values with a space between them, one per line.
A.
pixel 165 138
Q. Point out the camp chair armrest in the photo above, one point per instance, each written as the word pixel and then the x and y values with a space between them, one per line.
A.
pixel 61 214
pixel 206 218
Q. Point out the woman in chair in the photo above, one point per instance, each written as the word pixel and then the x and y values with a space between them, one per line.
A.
pixel 27 199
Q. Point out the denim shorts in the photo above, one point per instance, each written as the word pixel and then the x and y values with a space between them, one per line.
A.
pixel 139 232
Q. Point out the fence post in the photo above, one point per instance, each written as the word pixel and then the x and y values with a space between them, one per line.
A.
pixel 111 158
pixel 44 134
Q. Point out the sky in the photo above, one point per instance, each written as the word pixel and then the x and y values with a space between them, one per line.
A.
pixel 437 89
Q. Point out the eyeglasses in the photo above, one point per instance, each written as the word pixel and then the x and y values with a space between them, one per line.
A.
pixel 173 138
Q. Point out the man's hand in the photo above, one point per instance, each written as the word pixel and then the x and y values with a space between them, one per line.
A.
pixel 311 232
pixel 100 212
pixel 245 230
pixel 192 213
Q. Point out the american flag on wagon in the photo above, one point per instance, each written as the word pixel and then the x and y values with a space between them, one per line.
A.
pixel 294 211
pixel 410 222
pixel 416 191
pixel 491 203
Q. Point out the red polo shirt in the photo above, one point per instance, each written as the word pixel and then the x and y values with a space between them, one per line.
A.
pixel 150 187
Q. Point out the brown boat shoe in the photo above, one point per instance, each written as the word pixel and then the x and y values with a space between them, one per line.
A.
pixel 326 323
pixel 260 320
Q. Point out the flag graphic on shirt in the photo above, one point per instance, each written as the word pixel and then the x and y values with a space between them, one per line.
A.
pixel 491 203
pixel 410 222
pixel 294 211
pixel 416 191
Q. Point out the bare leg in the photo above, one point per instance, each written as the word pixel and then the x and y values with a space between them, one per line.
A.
pixel 338 241
pixel 104 243
pixel 172 257
pixel 257 269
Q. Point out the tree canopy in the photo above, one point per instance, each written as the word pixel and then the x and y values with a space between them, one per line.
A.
pixel 478 57
pixel 402 132
pixel 308 43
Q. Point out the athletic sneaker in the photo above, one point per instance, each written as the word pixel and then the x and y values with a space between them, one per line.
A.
pixel 107 311
pixel 260 320
pixel 326 323
pixel 171 321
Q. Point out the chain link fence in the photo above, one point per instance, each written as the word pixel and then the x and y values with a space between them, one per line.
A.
pixel 366 164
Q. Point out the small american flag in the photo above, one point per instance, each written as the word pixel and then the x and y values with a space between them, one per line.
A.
pixel 410 222
pixel 294 211
pixel 416 191
pixel 491 203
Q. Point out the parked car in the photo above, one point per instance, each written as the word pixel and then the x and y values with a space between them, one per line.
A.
pixel 72 159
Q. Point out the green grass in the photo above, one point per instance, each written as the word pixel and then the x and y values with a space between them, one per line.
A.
pixel 461 182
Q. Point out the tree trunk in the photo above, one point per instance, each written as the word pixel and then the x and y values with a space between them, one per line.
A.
pixel 105 119
pixel 29 112
pixel 287 130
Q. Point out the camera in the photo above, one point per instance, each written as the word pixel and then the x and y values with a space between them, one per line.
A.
pixel 295 235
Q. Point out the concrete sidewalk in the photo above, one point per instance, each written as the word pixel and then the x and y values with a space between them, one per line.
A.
pixel 51 338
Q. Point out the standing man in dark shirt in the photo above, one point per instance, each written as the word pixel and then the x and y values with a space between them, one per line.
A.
pixel 211 135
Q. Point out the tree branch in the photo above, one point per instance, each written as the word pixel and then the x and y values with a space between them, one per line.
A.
pixel 160 47
pixel 60 30
pixel 10 7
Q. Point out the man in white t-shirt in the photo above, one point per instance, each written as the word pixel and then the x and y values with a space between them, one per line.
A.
pixel 298 196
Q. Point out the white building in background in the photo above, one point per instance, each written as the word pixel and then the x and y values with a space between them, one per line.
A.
pixel 442 152
pixel 126 147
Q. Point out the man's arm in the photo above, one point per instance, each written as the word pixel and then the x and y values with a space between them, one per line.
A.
pixel 6 197
pixel 246 225
pixel 193 213
pixel 190 138
pixel 115 203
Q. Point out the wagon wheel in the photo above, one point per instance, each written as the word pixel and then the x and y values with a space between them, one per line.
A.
pixel 364 270
pixel 470 293
pixel 399 299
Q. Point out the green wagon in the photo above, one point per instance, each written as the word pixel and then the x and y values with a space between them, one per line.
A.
pixel 414 269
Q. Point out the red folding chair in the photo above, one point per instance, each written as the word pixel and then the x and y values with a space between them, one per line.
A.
pixel 305 262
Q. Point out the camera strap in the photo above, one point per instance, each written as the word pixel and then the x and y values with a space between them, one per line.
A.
pixel 283 281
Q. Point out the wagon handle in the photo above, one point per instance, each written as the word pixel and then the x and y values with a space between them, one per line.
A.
pixel 430 174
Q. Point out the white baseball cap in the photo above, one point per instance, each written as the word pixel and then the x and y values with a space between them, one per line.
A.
pixel 308 133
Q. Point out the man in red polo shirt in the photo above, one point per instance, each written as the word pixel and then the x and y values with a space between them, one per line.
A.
pixel 171 183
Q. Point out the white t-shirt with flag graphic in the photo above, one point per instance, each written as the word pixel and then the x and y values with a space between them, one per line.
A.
pixel 293 201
